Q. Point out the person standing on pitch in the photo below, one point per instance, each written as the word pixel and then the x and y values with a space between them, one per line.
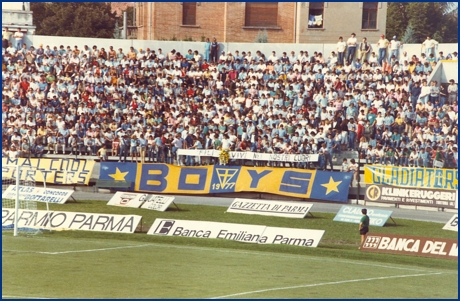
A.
pixel 363 225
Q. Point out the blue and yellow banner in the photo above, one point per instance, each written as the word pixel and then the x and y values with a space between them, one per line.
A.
pixel 164 178
pixel 428 178
pixel 55 171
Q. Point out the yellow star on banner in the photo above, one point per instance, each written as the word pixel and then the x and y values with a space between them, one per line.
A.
pixel 331 186
pixel 118 175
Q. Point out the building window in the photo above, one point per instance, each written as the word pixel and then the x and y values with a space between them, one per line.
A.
pixel 370 15
pixel 189 13
pixel 262 14
pixel 315 15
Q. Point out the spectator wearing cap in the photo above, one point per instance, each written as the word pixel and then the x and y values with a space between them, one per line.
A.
pixel 395 45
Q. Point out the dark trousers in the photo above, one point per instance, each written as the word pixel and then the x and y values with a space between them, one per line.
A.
pixel 351 54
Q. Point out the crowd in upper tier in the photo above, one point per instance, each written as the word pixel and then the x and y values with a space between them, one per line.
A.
pixel 145 104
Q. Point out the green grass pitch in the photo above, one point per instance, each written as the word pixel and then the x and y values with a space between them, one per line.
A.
pixel 82 264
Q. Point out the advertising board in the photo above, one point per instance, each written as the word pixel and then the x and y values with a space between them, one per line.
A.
pixel 411 196
pixel 203 229
pixel 237 232
pixel 157 202
pixel 272 208
pixel 452 224
pixel 38 194
pixel 411 245
pixel 293 237
pixel 411 177
pixel 60 220
pixel 127 199
pixel 352 214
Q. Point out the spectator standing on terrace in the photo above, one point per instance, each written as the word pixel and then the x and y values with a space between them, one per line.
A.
pixel 452 91
pixel 382 45
pixel 102 153
pixel 363 225
pixel 351 46
pixel 353 167
pixel 207 49
pixel 429 46
pixel 6 35
pixel 341 47
pixel 394 47
pixel 364 49
pixel 18 37
pixel 214 51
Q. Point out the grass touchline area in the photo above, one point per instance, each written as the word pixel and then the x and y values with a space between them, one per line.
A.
pixel 340 240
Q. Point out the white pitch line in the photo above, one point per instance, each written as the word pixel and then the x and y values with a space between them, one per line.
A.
pixel 95 250
pixel 230 251
pixel 324 283
pixel 289 256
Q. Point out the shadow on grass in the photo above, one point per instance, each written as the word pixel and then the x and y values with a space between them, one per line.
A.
pixel 174 209
pixel 391 224
pixel 314 217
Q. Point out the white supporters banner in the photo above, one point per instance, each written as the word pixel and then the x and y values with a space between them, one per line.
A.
pixel 202 229
pixel 293 237
pixel 158 202
pixel 452 224
pixel 38 194
pixel 238 232
pixel 60 220
pixel 272 208
pixel 128 199
pixel 250 155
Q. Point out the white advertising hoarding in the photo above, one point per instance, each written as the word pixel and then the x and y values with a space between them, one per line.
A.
pixel 201 229
pixel 452 224
pixel 237 232
pixel 127 199
pixel 38 194
pixel 293 237
pixel 60 220
pixel 272 208
pixel 157 202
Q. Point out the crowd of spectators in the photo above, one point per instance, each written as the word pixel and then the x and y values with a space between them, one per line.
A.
pixel 145 104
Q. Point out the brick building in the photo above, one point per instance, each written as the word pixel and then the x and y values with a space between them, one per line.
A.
pixel 285 22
